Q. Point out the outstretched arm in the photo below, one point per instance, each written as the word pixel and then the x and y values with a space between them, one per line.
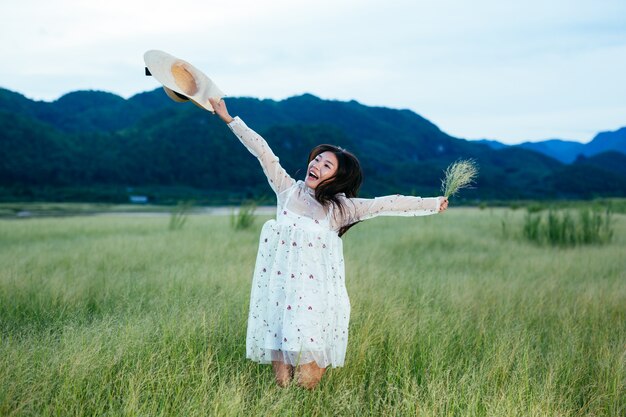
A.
pixel 276 175
pixel 395 205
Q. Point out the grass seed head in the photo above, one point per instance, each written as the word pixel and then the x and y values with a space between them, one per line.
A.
pixel 460 174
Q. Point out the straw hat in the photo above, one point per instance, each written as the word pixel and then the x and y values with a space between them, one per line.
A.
pixel 181 80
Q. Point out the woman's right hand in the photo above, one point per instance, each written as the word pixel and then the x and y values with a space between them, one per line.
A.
pixel 220 109
pixel 443 204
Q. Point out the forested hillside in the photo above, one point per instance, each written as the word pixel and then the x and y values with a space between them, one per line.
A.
pixel 96 146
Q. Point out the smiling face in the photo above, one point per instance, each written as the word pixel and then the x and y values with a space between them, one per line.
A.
pixel 321 168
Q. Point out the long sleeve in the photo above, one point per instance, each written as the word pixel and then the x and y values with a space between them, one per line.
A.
pixel 391 205
pixel 276 175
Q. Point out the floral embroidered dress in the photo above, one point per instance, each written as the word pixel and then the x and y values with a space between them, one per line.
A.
pixel 299 307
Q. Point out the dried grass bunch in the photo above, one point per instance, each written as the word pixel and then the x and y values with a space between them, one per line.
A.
pixel 460 174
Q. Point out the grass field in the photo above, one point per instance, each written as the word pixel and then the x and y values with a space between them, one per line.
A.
pixel 117 315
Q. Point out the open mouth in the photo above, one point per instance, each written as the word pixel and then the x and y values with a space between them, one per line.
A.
pixel 312 175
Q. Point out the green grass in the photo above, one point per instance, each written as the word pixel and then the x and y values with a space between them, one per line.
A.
pixel 568 227
pixel 115 315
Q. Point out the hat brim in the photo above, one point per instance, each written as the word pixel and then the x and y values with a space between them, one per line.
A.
pixel 177 97
pixel 181 77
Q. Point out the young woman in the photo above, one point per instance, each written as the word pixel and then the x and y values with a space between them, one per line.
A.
pixel 299 307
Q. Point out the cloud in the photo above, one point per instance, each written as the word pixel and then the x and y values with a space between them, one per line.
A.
pixel 496 60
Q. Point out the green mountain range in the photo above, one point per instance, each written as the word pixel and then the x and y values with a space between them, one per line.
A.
pixel 96 146
pixel 568 151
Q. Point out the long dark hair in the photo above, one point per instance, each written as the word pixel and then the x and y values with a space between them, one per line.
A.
pixel 347 180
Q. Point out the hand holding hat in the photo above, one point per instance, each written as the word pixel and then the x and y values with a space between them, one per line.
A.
pixel 220 109
pixel 181 80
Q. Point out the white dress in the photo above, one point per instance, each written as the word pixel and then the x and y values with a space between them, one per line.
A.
pixel 299 307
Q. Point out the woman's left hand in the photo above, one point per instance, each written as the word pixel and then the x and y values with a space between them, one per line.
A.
pixel 443 204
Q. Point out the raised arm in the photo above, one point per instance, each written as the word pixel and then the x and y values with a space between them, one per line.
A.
pixel 276 175
pixel 394 205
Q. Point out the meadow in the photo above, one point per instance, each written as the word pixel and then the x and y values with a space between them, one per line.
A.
pixel 119 315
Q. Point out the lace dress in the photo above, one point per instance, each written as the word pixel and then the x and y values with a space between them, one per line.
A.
pixel 299 307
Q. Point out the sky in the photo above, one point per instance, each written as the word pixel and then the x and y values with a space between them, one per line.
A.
pixel 512 71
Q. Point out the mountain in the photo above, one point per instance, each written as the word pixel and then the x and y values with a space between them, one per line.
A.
pixel 567 151
pixel 493 144
pixel 85 111
pixel 562 150
pixel 587 181
pixel 96 146
pixel 610 161
pixel 607 141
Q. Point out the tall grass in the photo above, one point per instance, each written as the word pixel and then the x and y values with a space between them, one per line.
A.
pixel 117 316
pixel 563 228
pixel 178 214
pixel 243 218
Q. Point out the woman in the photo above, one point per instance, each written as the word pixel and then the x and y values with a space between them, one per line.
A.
pixel 299 307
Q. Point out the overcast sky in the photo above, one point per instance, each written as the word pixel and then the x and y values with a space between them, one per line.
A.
pixel 498 69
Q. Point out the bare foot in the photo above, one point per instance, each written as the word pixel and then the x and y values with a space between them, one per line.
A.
pixel 309 375
pixel 283 373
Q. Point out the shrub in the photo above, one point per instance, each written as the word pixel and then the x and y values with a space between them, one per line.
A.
pixel 562 228
pixel 244 217
pixel 531 227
